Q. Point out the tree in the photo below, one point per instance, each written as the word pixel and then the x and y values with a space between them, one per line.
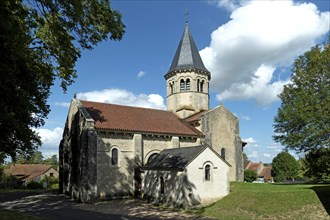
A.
pixel 35 158
pixel 52 161
pixel 285 167
pixel 250 175
pixel 40 41
pixel 303 120
pixel 317 163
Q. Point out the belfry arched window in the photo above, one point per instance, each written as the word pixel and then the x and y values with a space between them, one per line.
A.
pixel 198 85
pixel 114 156
pixel 207 173
pixel 171 88
pixel 182 85
pixel 201 86
pixel 188 85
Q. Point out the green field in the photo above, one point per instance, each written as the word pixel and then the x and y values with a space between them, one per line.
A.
pixel 272 201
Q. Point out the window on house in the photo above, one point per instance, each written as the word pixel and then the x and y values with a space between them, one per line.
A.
pixel 198 82
pixel 182 85
pixel 114 156
pixel 51 174
pixel 201 86
pixel 223 153
pixel 207 173
pixel 188 84
pixel 162 187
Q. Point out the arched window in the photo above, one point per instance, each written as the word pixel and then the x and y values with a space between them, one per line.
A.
pixel 207 173
pixel 182 85
pixel 114 156
pixel 201 86
pixel 152 156
pixel 162 187
pixel 223 153
pixel 198 82
pixel 171 87
pixel 188 85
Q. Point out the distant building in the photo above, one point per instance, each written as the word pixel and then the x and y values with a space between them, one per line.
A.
pixel 261 170
pixel 25 173
pixel 106 148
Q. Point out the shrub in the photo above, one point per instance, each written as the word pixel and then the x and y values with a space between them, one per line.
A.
pixel 250 175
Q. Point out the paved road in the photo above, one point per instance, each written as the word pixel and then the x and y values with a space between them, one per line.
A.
pixel 58 206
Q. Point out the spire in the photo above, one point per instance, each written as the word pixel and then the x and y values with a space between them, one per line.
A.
pixel 187 55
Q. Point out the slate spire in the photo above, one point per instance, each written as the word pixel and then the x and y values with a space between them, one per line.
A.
pixel 187 56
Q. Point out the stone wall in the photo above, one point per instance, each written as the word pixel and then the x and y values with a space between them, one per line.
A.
pixel 221 130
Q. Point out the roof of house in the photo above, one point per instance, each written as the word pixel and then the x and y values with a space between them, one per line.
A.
pixel 27 171
pixel 266 172
pixel 187 55
pixel 253 166
pixel 174 158
pixel 136 119
pixel 177 158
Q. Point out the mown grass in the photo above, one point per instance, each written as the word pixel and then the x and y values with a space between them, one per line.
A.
pixel 272 201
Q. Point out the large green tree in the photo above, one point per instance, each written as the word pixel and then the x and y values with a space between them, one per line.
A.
pixel 40 41
pixel 303 120
pixel 317 165
pixel 284 167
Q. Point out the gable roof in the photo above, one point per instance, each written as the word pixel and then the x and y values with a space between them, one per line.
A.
pixel 177 158
pixel 27 171
pixel 266 173
pixel 136 119
pixel 187 55
pixel 174 158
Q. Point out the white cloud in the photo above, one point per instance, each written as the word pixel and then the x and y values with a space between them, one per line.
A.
pixel 50 138
pixel 267 155
pixel 261 37
pixel 230 5
pixel 251 142
pixel 141 74
pixel 50 141
pixel 124 97
pixel 63 104
pixel 275 146
pixel 245 118
pixel 253 154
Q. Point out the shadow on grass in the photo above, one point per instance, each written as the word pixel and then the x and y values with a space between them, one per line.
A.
pixel 323 192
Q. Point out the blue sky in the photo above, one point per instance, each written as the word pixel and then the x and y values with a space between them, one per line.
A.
pixel 248 46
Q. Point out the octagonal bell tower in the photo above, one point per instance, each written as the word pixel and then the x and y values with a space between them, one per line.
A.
pixel 187 81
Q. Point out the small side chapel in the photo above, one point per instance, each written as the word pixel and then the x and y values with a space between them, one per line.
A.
pixel 183 156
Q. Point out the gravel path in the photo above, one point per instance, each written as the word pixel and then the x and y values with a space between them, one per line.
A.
pixel 58 206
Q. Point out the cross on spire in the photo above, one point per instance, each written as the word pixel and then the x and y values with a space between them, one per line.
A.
pixel 186 14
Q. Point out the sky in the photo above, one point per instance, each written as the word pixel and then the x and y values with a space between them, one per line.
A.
pixel 248 46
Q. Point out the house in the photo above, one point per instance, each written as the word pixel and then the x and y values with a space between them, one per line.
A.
pixel 25 173
pixel 105 147
pixel 187 176
pixel 262 171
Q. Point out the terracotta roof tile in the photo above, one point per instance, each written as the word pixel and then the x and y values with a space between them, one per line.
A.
pixel 253 166
pixel 27 171
pixel 136 119
pixel 266 173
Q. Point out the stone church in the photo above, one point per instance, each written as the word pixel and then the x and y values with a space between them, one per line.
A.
pixel 185 155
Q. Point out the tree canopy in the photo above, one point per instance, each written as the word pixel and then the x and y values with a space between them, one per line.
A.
pixel 303 120
pixel 41 41
pixel 284 167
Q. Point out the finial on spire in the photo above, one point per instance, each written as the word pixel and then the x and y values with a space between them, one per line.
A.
pixel 186 14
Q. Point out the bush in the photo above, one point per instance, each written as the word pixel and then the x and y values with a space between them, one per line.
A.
pixel 34 185
pixel 250 175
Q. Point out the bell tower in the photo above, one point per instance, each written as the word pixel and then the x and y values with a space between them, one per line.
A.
pixel 187 80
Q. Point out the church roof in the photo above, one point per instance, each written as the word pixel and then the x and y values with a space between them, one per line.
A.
pixel 135 119
pixel 187 55
pixel 174 158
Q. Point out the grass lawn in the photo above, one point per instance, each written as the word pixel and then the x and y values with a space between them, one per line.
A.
pixel 272 201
